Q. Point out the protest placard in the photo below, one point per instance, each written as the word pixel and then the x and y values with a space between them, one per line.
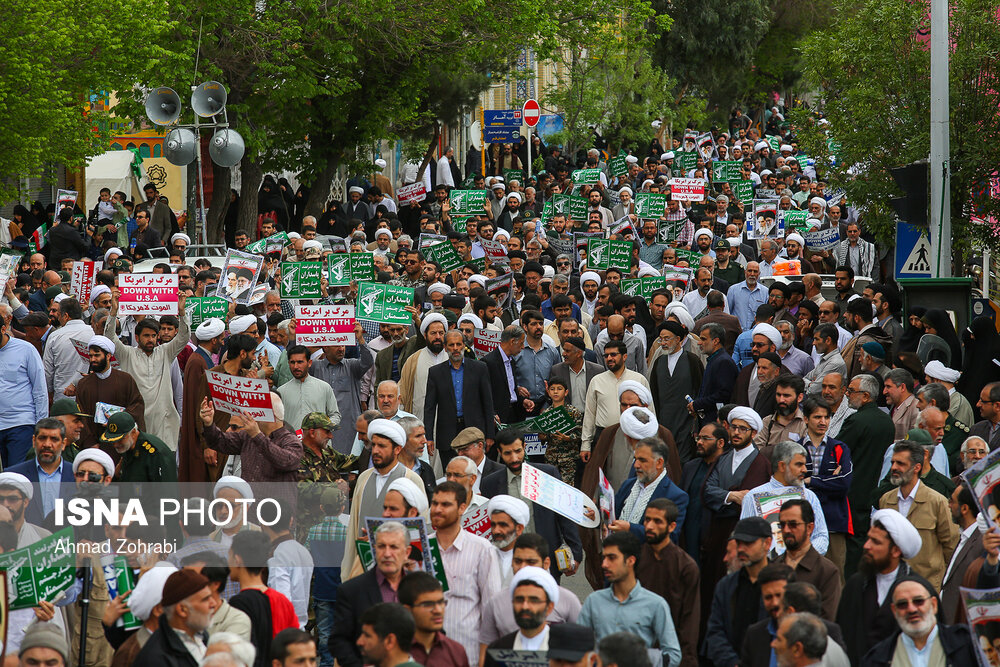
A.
pixel 558 496
pixel 317 326
pixel 147 294
pixel 727 171
pixel 586 176
pixel 762 222
pixel 793 219
pixel 982 611
pixel 64 199
pixel 606 498
pixel 201 308
pixel 9 261
pixel 580 240
pixel 460 223
pixel 573 207
pixel 618 165
pixel 501 289
pixel 119 580
pixel 301 280
pixel 348 267
pixel 420 543
pixel 605 254
pixel 623 227
pixel 477 521
pixel 826 239
pixel 685 160
pixel 744 192
pixel 82 280
pixel 467 202
pixel 788 267
pixel 667 231
pixel 768 506
pixel 239 275
pixel 445 255
pixel 561 246
pixel 513 175
pixel 237 395
pixel 384 303
pixel 547 209
pixel 427 239
pixel 650 205
pixel 495 251
pixel 508 657
pixel 773 142
pixel 643 287
pixel 273 243
pixel 40 571
pixel 983 479
pixel 81 348
pixel 485 341
pixel 687 189
pixel 414 192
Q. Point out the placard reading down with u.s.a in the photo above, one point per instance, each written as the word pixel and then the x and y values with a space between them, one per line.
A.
pixel 558 496
pixel 237 395
pixel 317 326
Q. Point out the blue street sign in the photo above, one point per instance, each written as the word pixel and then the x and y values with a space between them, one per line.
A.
pixel 502 125
pixel 913 252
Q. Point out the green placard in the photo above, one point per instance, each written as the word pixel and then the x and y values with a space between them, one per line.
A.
pixel 618 165
pixel 467 202
pixel 553 421
pixel 685 159
pixel 479 263
pixel 301 280
pixel 445 255
pixel 650 205
pixel 574 208
pixel 273 243
pixel 644 286
pixel 513 175
pixel 586 176
pixel 692 257
pixel 607 254
pixel 547 209
pixel 667 231
pixel 384 303
pixel 773 141
pixel 202 308
pixel 118 577
pixel 795 219
pixel 343 268
pixel 727 171
pixel 40 571
pixel 743 190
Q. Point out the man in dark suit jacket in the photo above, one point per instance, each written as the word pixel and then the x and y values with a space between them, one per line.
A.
pixel 650 463
pixel 963 512
pixel 555 528
pixel 441 402
pixel 500 364
pixel 575 362
pixel 716 304
pixel 49 441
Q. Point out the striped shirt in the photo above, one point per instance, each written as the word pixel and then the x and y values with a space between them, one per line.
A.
pixel 473 579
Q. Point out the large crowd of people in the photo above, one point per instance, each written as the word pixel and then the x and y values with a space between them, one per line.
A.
pixel 774 450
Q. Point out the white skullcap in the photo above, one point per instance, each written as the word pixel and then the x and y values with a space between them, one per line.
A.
pixel 669 155
pixel 499 186
pixel 625 189
pixel 590 275
pixel 680 313
pixel 520 198
pixel 747 415
pixel 180 236
pixel 819 201
pixel 902 532
pixel 112 251
pixel 18 481
pixel 761 145
pixel 98 291
pixel 439 288
pixel 313 244
pixel 734 241
pixel 380 163
pixel 536 575
pixel 795 237
pixel 648 271
pixel 786 147
pixel 469 317
pixel 500 178
pixel 430 319
pixel 237 484
pixel 501 232
pixel 148 591
pixel 355 188
pixel 631 159
pixel 513 507
pixel 548 271
pixel 766 172
pixel 937 370
pixel 294 235
pixel 477 278
pixel 772 334
pixel 414 496
pixel 209 329
pixel 646 182
pixel 388 429
pixel 383 232
pixel 641 391
pixel 103 343
pixel 59 297
pixel 703 232
pixel 97 455
pixel 633 428
pixel 242 323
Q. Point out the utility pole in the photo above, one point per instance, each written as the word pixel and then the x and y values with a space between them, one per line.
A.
pixel 940 190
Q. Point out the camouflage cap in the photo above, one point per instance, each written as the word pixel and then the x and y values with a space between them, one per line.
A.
pixel 317 420
pixel 331 497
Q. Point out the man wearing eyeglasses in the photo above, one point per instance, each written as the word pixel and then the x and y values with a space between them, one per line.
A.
pixel 421 593
pixel 796 521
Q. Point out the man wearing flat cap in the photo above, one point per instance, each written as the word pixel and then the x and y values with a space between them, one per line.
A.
pixel 865 611
pixel 111 386
pixel 471 442
pixel 570 644
pixel 188 607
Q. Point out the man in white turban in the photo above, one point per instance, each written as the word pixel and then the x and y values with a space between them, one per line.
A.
pixel 508 518
pixel 413 374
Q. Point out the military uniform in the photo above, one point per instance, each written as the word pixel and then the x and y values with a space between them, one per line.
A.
pixel 317 473
pixel 149 460
pixel 563 450
pixel 955 433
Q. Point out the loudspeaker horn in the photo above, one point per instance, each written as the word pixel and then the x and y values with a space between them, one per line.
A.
pixel 180 146
pixel 209 99
pixel 163 106
pixel 226 148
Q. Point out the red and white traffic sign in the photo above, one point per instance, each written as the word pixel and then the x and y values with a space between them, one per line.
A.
pixel 531 112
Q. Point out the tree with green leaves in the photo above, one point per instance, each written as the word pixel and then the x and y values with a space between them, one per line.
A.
pixel 871 66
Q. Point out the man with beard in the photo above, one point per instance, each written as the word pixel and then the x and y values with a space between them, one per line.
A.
pixel 66 411
pixel 534 594
pixel 768 369
pixel 697 300
pixel 188 607
pixel 413 373
pixel 468 324
pixel 736 604
pixel 674 376
pixel 508 518
pixel 650 481
pixel 48 469
pixel 650 249
pixel 305 393
pixel 590 283
pixel 666 570
pixel 796 520
pixel 595 200
pixel 389 361
pixel 457 396
pixel 921 639
pixel 709 443
pixel 826 355
pixel 801 640
pixel 792 358
pixel 788 464
pixel 970 547
pixel 864 613
pixel 924 508
pixel 756 648
pixel 703 242
pixel 763 338
pixel 602 395
pixel 412 452
pixel 344 377
pixel 199 463
pixel 787 422
pixel 106 385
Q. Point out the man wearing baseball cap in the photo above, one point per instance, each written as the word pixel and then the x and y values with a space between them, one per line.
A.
pixel 74 419
pixel 569 645
pixel 144 457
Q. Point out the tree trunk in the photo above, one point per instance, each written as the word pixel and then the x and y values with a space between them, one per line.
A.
pixel 430 152
pixel 222 182
pixel 319 189
pixel 252 174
